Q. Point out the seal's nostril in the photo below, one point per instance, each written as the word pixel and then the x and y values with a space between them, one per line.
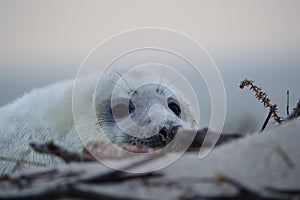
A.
pixel 164 132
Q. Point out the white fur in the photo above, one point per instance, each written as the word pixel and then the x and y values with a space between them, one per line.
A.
pixel 43 114
pixel 46 114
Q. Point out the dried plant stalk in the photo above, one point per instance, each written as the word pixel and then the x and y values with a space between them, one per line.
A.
pixel 263 97
pixel 295 113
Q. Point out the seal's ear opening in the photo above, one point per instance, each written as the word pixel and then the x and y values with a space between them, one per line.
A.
pixel 121 108
pixel 120 111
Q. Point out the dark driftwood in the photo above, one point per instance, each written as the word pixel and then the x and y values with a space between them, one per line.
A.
pixel 67 185
pixel 56 183
pixel 71 156
pixel 201 134
pixel 65 154
pixel 71 185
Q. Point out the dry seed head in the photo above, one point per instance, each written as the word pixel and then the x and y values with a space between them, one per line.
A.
pixel 263 97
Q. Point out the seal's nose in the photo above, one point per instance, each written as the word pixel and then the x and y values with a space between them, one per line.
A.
pixel 164 132
pixel 169 133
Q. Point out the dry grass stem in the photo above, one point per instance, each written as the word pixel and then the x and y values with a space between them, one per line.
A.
pixel 263 97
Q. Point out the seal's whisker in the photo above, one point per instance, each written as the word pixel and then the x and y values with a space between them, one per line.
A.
pixel 168 86
pixel 161 79
pixel 117 84
pixel 124 79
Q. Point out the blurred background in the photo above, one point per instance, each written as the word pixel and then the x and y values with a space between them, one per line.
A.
pixel 43 42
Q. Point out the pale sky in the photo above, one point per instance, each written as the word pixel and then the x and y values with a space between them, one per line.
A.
pixel 45 41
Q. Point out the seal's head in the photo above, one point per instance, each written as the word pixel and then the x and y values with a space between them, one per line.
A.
pixel 148 115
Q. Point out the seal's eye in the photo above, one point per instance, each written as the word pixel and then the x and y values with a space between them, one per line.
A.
pixel 174 106
pixel 122 110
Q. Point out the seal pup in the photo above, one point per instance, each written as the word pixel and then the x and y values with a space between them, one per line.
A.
pixel 154 110
pixel 46 114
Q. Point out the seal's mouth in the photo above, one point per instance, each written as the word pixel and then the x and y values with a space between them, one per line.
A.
pixel 163 138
